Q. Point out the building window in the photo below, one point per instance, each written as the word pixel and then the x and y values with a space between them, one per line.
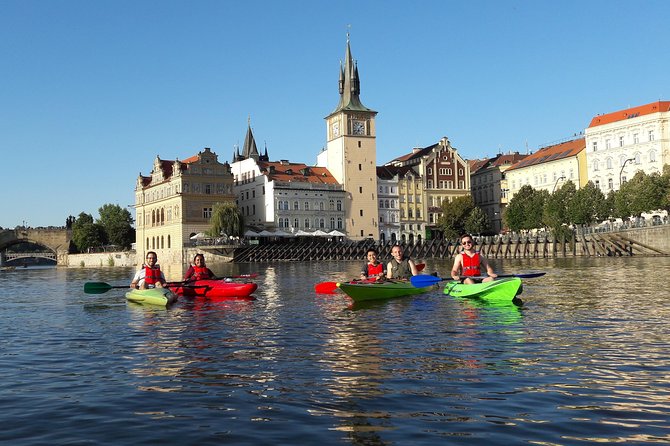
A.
pixel 636 138
pixel 620 141
pixel 331 203
pixel 208 189
pixel 609 163
pixel 207 213
pixel 361 212
pixel 608 144
pixel 307 223
pixel 339 222
pixel 339 205
pixel 610 184
pixel 595 146
pixel 307 205
pixel 296 223
pixel 429 171
pixel 295 206
pixel 332 222
pixel 651 135
pixel 652 156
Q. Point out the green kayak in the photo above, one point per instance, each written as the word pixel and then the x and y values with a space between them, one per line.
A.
pixel 152 296
pixel 360 292
pixel 496 291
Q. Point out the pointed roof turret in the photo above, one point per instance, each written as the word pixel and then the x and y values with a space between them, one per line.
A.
pixel 349 85
pixel 249 150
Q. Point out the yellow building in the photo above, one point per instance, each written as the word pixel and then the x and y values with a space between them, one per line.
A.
pixel 175 202
pixel 549 167
pixel 350 154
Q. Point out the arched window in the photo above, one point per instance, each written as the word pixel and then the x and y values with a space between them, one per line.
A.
pixel 168 241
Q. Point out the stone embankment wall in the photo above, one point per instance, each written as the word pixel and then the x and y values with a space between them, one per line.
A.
pixel 101 259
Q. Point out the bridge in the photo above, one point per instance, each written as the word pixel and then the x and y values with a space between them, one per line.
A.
pixel 56 240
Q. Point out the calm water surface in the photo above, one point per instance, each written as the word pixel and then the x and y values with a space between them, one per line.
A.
pixel 585 360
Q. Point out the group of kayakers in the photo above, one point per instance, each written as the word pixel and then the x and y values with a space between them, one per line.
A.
pixel 151 276
pixel 467 268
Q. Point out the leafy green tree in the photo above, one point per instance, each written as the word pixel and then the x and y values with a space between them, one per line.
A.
pixel 227 219
pixel 118 225
pixel 454 214
pixel 556 207
pixel 86 233
pixel 665 178
pixel 525 209
pixel 477 222
pixel 588 205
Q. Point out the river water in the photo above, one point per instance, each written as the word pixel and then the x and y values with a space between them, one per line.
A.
pixel 586 359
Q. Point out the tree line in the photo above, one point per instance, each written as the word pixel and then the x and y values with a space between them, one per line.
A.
pixel 113 227
pixel 565 207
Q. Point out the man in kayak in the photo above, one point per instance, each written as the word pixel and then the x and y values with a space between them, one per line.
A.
pixel 373 268
pixel 198 271
pixel 150 276
pixel 469 263
pixel 400 267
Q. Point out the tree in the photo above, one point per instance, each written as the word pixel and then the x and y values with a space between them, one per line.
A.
pixel 556 207
pixel 588 205
pixel 118 225
pixel 477 222
pixel 524 210
pixel 227 219
pixel 87 234
pixel 454 214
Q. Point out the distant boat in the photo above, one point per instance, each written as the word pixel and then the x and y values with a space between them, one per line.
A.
pixel 7 268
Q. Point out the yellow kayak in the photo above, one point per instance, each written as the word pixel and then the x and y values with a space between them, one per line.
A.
pixel 152 296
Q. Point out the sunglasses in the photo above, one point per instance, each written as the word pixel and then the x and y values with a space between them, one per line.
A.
pixel 469 242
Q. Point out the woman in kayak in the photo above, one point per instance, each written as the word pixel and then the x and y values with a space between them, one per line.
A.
pixel 198 271
pixel 400 267
pixel 373 268
pixel 150 276
pixel 469 263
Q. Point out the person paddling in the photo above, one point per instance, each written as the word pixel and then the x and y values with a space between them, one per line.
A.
pixel 150 275
pixel 198 271
pixel 400 267
pixel 469 263
pixel 373 268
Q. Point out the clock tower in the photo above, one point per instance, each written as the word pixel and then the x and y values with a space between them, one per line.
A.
pixel 351 153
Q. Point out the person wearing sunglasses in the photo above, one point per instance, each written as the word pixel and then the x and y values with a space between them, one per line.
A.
pixel 468 265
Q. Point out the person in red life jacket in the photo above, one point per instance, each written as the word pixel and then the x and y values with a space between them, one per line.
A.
pixel 373 268
pixel 198 271
pixel 468 265
pixel 150 275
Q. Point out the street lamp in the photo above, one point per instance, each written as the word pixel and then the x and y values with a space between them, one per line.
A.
pixel 629 160
pixel 556 183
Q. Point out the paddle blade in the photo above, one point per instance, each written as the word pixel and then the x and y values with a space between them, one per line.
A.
pixel 96 287
pixel 424 280
pixel 420 266
pixel 530 275
pixel 325 287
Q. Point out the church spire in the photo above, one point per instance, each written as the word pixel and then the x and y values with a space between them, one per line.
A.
pixel 249 150
pixel 349 84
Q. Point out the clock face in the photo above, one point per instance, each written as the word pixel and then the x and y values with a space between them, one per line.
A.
pixel 336 129
pixel 358 128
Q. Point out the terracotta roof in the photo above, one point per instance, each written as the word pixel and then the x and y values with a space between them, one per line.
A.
pixel 285 171
pixel 629 113
pixel 552 153
pixel 475 165
pixel 191 159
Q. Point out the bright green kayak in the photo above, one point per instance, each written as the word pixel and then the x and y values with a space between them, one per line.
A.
pixel 152 296
pixel 496 291
pixel 360 292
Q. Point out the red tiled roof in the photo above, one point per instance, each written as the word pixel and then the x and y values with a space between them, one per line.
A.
pixel 284 171
pixel 629 113
pixel 552 153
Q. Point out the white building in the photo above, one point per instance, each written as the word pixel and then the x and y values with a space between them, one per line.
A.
pixel 389 209
pixel 283 195
pixel 619 144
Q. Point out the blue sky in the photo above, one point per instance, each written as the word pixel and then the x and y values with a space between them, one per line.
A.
pixel 92 91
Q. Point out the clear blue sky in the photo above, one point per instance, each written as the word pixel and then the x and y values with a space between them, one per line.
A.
pixel 92 91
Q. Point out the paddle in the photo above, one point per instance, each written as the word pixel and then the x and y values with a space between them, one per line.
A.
pixel 424 280
pixel 102 287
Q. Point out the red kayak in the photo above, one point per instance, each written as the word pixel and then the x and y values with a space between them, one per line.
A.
pixel 215 289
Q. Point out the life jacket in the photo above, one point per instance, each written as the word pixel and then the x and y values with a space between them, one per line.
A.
pixel 152 275
pixel 375 269
pixel 471 265
pixel 401 270
pixel 200 272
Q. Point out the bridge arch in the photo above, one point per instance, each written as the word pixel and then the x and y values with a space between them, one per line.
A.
pixel 57 241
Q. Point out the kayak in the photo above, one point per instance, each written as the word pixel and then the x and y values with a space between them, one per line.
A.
pixel 497 291
pixel 364 291
pixel 216 289
pixel 152 296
